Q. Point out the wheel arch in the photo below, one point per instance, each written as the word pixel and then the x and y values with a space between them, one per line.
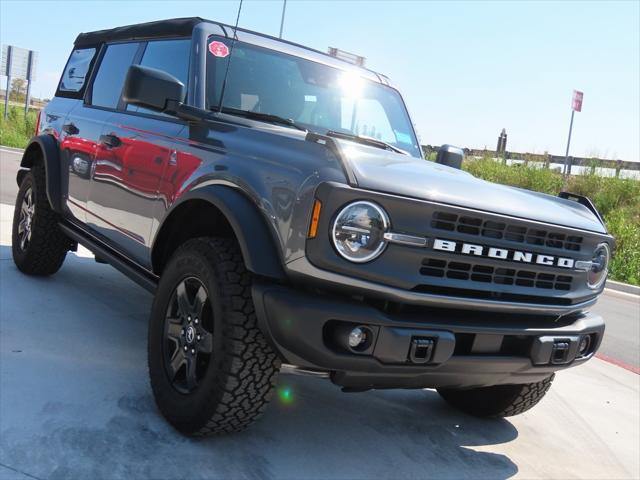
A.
pixel 219 210
pixel 45 148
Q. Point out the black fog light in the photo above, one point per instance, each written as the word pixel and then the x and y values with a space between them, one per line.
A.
pixel 357 337
pixel 584 345
pixel 354 338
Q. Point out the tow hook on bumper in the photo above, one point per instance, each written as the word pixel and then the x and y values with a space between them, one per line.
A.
pixel 421 349
pixel 560 350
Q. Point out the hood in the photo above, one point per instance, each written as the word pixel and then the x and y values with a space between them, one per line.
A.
pixel 403 175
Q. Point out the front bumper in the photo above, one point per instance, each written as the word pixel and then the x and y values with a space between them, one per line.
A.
pixel 468 349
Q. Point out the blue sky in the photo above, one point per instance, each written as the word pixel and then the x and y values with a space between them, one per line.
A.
pixel 466 69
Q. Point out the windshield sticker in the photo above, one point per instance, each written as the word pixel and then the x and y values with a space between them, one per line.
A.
pixel 403 137
pixel 218 49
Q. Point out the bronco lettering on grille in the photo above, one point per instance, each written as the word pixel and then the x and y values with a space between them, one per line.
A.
pixel 501 253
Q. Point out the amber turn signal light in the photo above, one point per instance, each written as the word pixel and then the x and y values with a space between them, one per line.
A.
pixel 315 219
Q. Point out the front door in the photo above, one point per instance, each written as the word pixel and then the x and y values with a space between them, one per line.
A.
pixel 133 153
pixel 135 148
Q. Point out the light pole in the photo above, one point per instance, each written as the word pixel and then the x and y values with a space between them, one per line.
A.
pixel 284 8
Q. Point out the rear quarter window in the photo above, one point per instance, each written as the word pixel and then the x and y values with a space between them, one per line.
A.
pixel 76 73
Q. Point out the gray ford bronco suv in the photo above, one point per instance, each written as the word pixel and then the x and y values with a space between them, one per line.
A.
pixel 276 202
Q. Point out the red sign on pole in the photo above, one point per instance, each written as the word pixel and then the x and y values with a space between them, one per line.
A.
pixel 576 104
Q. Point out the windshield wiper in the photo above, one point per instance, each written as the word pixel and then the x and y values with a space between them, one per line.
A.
pixel 263 117
pixel 373 142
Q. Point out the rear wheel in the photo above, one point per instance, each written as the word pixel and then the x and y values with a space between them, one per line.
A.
pixel 38 245
pixel 212 371
pixel 499 400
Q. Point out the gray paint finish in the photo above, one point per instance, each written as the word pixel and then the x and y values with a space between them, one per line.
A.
pixel 404 175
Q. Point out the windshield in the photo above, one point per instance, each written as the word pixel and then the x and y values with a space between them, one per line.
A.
pixel 316 96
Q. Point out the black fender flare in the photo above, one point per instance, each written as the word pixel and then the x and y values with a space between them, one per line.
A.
pixel 48 147
pixel 257 242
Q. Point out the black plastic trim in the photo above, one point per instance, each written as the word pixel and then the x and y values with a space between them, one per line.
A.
pixel 135 272
pixel 51 157
pixel 585 201
pixel 295 322
pixel 257 242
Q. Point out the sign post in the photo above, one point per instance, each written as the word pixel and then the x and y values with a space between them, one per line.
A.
pixel 18 63
pixel 7 71
pixel 576 106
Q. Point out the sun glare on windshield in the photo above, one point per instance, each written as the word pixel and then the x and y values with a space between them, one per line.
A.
pixel 351 84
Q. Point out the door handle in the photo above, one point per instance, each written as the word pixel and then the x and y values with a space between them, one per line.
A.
pixel 110 141
pixel 70 129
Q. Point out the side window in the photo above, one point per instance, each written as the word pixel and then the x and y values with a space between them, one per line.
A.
pixel 171 56
pixel 107 86
pixel 76 72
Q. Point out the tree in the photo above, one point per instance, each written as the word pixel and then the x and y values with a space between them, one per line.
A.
pixel 18 88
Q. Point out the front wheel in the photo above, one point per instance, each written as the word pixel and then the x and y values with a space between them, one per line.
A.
pixel 212 371
pixel 498 400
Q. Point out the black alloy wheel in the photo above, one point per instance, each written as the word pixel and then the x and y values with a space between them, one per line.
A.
pixel 188 335
pixel 212 370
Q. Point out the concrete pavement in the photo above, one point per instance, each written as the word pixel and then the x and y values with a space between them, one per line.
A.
pixel 75 403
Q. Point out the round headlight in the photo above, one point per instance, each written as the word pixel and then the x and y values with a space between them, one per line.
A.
pixel 599 266
pixel 358 231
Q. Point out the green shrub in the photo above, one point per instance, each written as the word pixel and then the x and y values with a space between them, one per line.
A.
pixel 617 199
pixel 17 129
pixel 529 177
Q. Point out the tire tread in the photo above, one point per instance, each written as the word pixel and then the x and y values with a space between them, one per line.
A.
pixel 248 366
pixel 48 246
pixel 499 400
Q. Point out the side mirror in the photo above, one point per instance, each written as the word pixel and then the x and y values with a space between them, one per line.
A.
pixel 153 89
pixel 450 156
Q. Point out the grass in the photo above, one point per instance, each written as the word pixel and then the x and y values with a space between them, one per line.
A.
pixel 17 129
pixel 617 200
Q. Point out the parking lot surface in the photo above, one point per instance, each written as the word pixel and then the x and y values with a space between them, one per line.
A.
pixel 75 402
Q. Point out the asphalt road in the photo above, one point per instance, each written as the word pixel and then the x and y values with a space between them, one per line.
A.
pixel 9 164
pixel 621 312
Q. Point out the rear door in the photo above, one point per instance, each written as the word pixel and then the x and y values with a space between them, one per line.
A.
pixel 78 130
pixel 136 146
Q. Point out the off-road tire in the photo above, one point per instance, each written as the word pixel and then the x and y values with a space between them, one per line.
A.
pixel 499 400
pixel 47 248
pixel 242 371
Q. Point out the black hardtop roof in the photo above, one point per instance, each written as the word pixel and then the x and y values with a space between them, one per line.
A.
pixel 175 27
pixel 178 27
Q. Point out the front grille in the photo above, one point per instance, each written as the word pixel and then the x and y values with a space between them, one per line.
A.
pixel 471 225
pixel 433 267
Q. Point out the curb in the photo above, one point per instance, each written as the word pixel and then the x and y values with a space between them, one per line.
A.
pixel 622 287
pixel 12 149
